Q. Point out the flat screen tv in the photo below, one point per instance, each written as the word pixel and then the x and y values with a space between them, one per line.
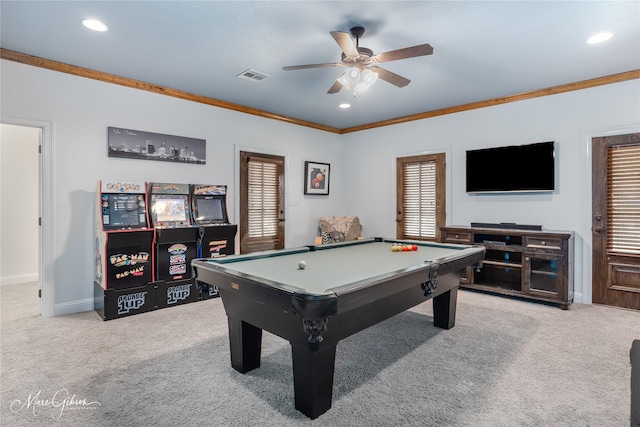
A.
pixel 514 168
pixel 210 210
pixel 125 210
pixel 170 209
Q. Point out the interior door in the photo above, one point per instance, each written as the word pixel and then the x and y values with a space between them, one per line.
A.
pixel 420 197
pixel 261 202
pixel 616 220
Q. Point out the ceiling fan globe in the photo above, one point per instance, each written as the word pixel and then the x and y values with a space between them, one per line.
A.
pixel 350 77
pixel 367 78
pixel 358 80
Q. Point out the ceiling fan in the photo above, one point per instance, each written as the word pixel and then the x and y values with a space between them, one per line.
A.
pixel 362 73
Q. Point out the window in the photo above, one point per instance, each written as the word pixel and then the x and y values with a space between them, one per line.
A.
pixel 420 194
pixel 623 205
pixel 261 202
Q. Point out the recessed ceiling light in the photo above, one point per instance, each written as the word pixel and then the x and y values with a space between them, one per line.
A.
pixel 345 105
pixel 599 38
pixel 94 24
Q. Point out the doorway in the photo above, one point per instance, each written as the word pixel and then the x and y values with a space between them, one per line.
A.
pixel 20 212
pixel 616 220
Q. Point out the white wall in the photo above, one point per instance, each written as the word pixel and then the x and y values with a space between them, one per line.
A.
pixel 362 163
pixel 18 204
pixel 568 119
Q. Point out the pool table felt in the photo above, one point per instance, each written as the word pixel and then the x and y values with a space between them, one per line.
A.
pixel 331 268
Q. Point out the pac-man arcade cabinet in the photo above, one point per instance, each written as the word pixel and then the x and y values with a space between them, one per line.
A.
pixel 124 260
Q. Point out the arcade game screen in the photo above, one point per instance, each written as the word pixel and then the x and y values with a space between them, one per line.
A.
pixel 170 208
pixel 209 209
pixel 124 211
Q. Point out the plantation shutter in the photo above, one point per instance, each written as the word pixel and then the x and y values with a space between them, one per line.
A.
pixel 421 192
pixel 263 199
pixel 623 204
pixel 262 214
pixel 420 200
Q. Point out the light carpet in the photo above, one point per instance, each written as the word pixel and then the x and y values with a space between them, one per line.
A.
pixel 507 362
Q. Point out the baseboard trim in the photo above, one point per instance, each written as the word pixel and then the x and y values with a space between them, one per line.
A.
pixel 18 278
pixel 73 307
pixel 578 298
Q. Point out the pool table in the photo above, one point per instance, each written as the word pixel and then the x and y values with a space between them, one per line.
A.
pixel 344 288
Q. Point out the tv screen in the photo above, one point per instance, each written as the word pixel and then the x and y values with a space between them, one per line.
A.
pixel 170 208
pixel 515 168
pixel 210 209
pixel 126 211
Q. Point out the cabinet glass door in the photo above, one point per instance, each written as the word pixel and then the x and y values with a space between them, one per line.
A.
pixel 545 274
pixel 501 269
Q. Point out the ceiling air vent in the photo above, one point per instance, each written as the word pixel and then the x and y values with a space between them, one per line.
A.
pixel 253 75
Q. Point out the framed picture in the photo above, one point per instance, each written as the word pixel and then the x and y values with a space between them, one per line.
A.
pixel 141 145
pixel 316 178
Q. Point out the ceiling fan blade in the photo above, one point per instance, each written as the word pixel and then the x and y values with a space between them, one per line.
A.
pixel 337 86
pixel 345 42
pixel 303 67
pixel 390 77
pixel 407 52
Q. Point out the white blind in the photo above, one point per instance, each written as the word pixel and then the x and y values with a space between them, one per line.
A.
pixel 623 204
pixel 420 199
pixel 263 198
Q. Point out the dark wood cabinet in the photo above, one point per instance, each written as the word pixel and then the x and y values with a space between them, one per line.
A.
pixel 532 264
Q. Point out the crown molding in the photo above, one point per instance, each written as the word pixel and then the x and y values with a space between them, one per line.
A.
pixel 136 84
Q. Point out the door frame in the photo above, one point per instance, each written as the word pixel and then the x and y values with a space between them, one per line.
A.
pixel 46 271
pixel 587 241
pixel 236 196
pixel 441 192
pixel 448 178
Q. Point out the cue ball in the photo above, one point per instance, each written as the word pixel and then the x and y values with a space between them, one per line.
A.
pixel 302 265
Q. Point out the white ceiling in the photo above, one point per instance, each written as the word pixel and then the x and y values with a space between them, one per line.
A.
pixel 482 49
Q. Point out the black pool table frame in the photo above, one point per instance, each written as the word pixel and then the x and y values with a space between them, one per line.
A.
pixel 314 324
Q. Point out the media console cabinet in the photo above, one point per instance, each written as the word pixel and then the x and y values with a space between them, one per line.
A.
pixel 531 264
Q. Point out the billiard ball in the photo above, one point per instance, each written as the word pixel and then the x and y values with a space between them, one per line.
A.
pixel 414 247
pixel 302 265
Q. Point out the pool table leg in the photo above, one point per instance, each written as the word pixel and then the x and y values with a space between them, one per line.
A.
pixel 444 309
pixel 313 379
pixel 245 341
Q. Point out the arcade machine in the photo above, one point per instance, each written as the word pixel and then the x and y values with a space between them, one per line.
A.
pixel 124 262
pixel 216 235
pixel 176 240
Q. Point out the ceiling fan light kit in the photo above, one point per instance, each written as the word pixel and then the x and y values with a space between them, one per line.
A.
pixel 359 77
pixel 358 81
